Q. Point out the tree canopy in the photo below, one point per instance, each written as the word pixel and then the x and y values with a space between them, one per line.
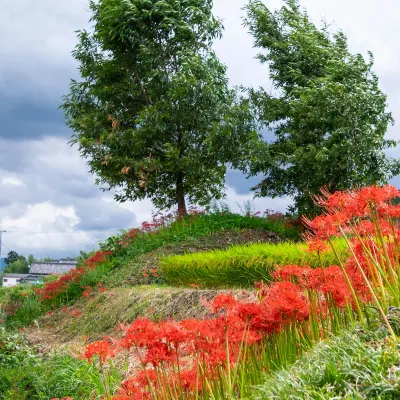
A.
pixel 16 263
pixel 12 256
pixel 326 112
pixel 152 113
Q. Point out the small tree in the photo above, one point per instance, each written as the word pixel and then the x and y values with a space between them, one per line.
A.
pixel 12 256
pixel 327 112
pixel 153 113
pixel 19 266
pixel 31 259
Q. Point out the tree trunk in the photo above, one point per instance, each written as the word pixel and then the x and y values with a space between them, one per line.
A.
pixel 180 195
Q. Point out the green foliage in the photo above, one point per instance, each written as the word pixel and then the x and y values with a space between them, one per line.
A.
pixel 327 113
pixel 19 266
pixel 13 350
pixel 27 376
pixel 241 266
pixel 31 259
pixel 354 365
pixel 19 306
pixel 12 256
pixel 153 112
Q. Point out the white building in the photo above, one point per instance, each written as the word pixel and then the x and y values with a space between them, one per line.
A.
pixel 12 279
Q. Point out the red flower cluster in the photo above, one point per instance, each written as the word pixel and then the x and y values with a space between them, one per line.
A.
pixel 171 352
pixel 170 344
pixel 355 207
pixel 103 349
pixel 52 289
pixel 75 313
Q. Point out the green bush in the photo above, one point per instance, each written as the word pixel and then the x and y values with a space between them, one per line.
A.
pixel 240 266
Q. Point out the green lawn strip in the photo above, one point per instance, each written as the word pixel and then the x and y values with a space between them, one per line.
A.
pixel 240 266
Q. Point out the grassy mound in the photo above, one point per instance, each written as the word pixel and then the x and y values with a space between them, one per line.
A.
pixel 132 260
pixel 241 266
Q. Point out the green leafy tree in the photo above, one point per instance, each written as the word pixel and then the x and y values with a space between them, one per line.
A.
pixel 12 256
pixel 19 266
pixel 31 259
pixel 153 113
pixel 326 110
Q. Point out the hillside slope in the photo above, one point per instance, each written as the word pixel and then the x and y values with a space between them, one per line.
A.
pixel 129 284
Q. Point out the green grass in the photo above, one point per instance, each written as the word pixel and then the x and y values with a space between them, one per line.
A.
pixel 240 266
pixel 27 376
pixel 357 364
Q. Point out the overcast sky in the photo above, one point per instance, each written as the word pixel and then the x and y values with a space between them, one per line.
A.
pixel 49 204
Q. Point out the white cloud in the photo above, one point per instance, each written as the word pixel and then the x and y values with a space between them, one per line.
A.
pixel 44 226
pixel 142 210
pixel 12 181
pixel 237 201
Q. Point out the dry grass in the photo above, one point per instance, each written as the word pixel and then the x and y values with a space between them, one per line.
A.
pixel 102 313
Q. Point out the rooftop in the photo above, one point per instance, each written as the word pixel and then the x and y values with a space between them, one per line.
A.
pixel 15 275
pixel 48 268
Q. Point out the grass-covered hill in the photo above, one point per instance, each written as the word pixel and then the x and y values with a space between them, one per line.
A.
pixel 169 272
pixel 133 280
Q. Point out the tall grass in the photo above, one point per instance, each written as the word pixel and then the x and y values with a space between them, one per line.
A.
pixel 25 375
pixel 357 364
pixel 241 266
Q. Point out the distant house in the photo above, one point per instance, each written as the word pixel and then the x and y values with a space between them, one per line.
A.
pixel 13 279
pixel 38 271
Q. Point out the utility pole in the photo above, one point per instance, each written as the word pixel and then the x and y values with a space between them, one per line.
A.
pixel 1 234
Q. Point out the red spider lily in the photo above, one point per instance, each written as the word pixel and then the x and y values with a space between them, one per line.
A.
pixel 87 292
pixel 103 349
pixel 64 398
pixel 317 246
pixel 283 302
pixel 136 387
pixel 357 203
pixel 52 289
